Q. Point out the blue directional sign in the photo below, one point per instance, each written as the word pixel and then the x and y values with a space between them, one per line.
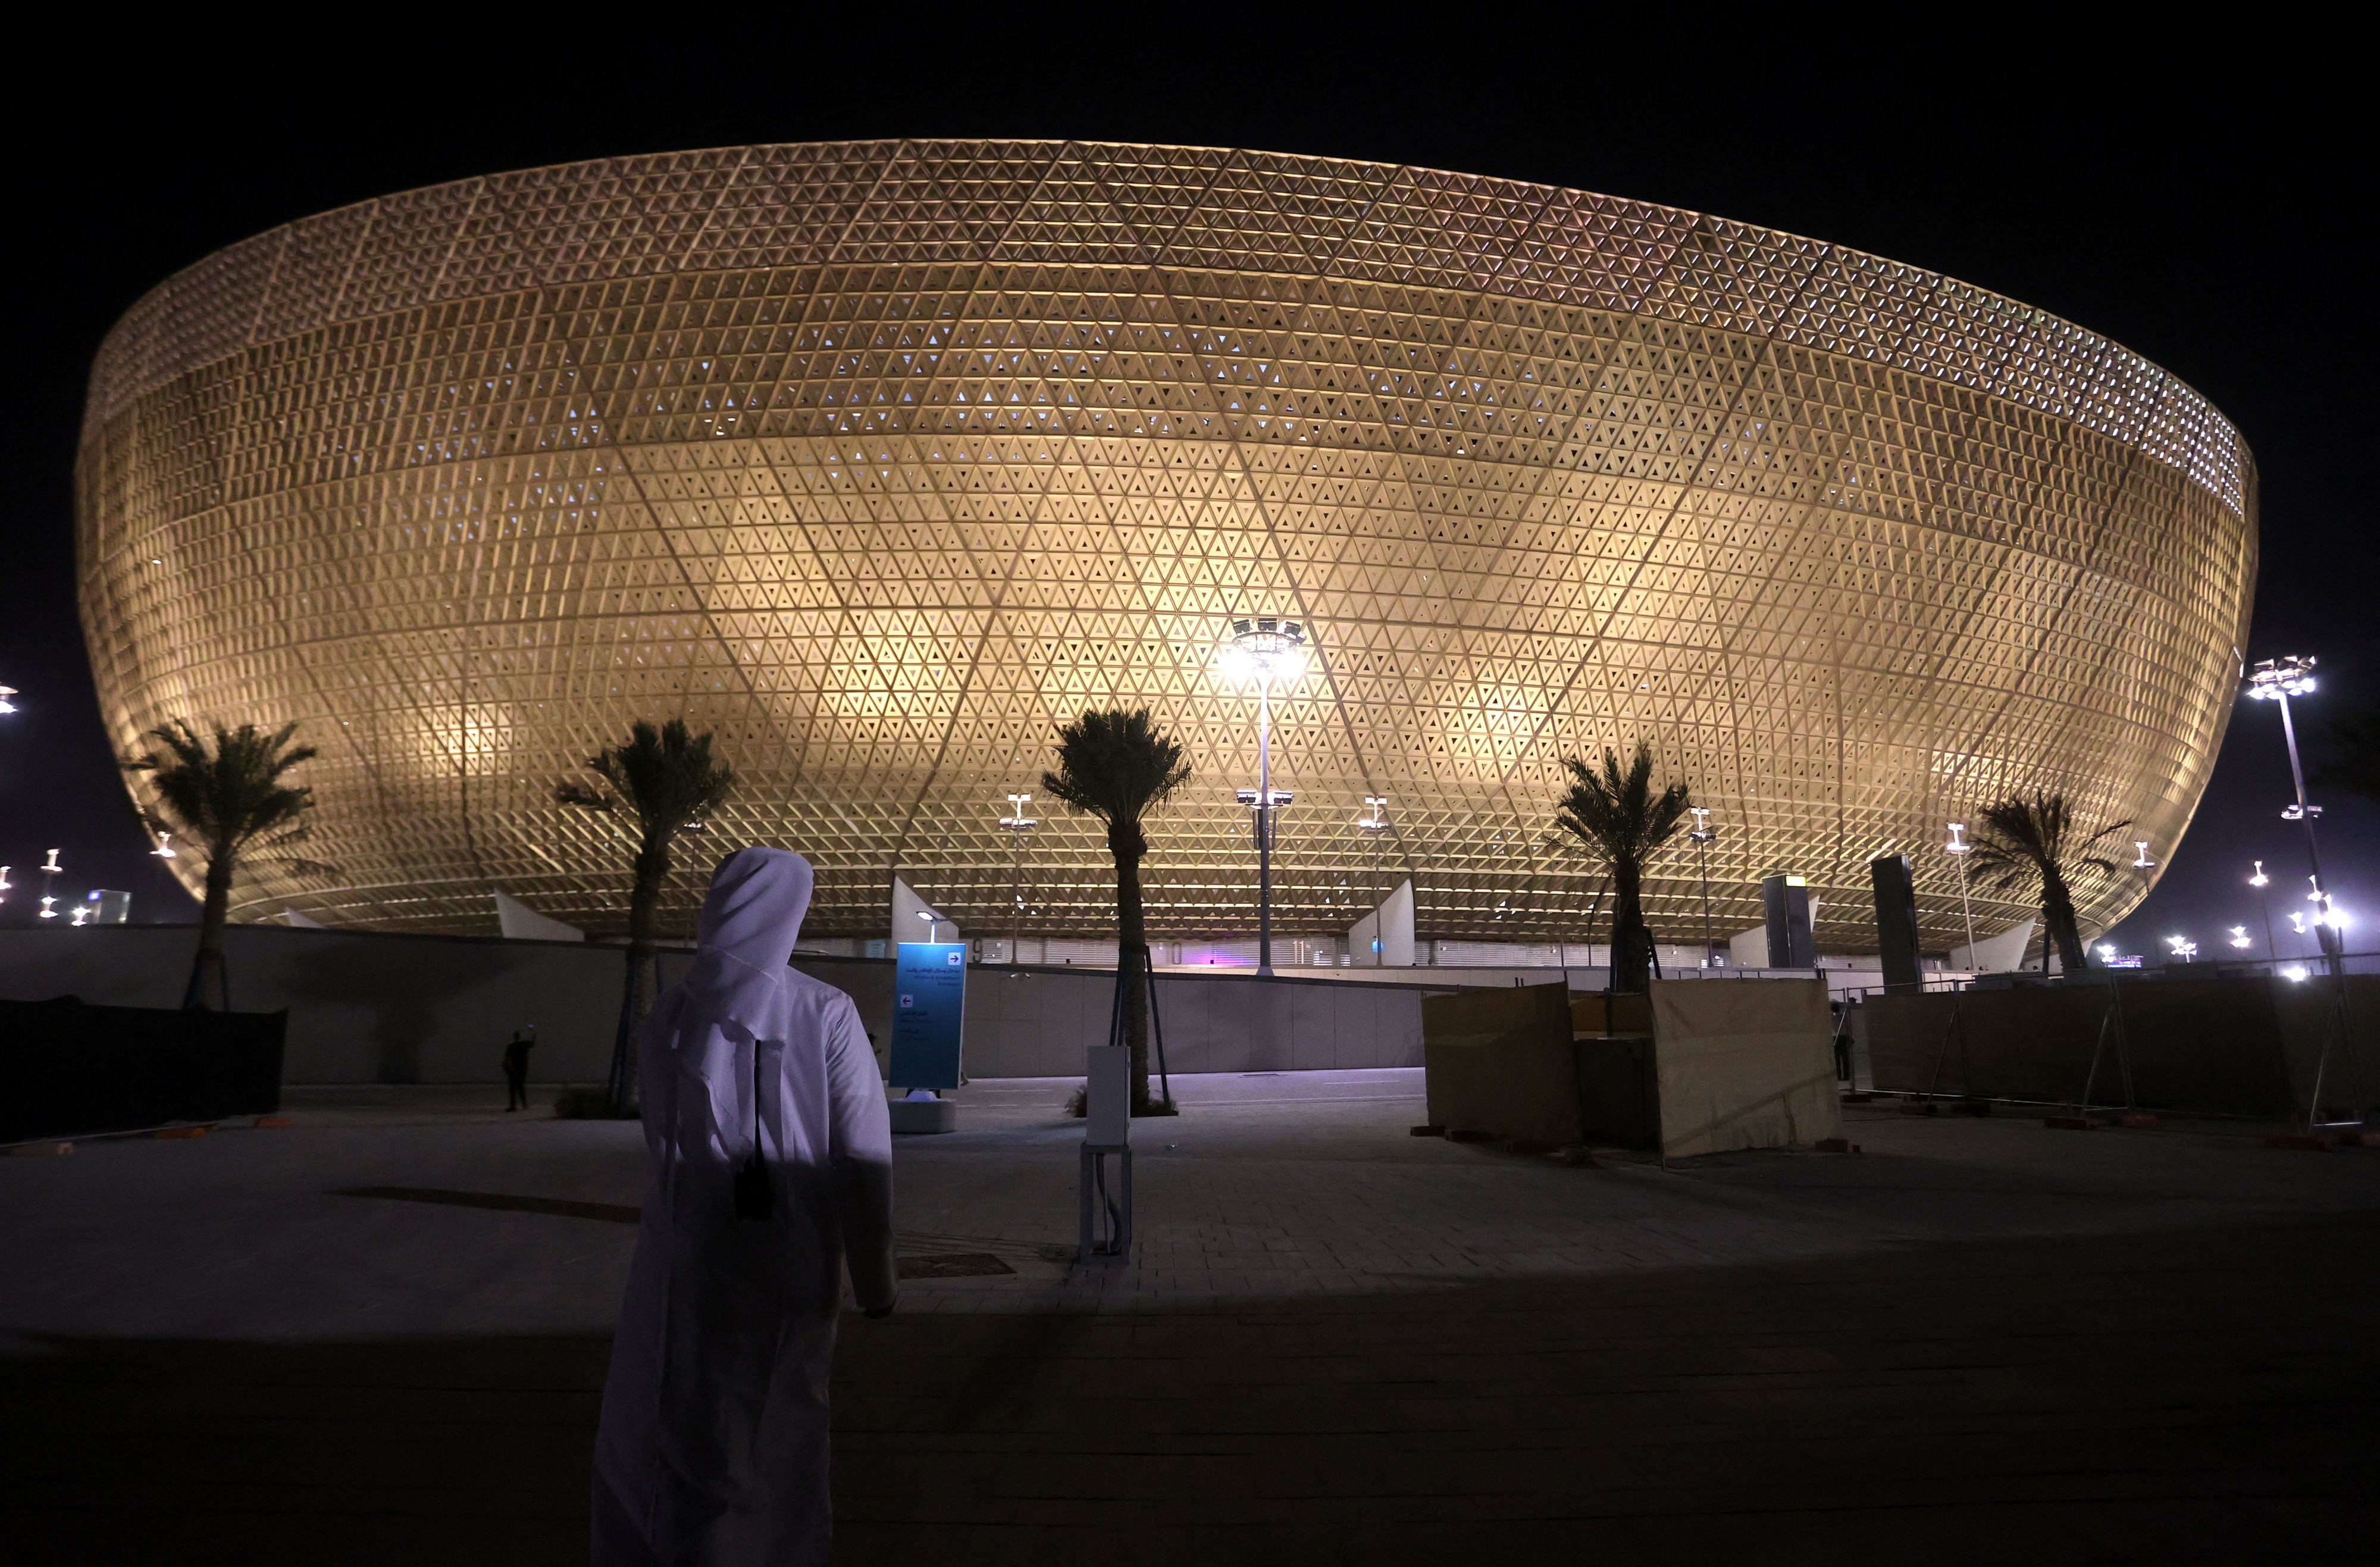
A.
pixel 928 1005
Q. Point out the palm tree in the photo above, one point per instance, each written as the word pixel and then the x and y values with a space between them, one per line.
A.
pixel 666 782
pixel 1623 822
pixel 2026 837
pixel 1116 766
pixel 223 797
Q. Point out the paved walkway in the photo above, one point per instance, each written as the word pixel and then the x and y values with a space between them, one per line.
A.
pixel 377 1336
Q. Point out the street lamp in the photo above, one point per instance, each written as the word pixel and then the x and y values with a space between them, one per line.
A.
pixel 1373 822
pixel 2277 680
pixel 1701 839
pixel 2184 947
pixel 1017 824
pixel 2239 937
pixel 1959 848
pixel 6 705
pixel 1263 650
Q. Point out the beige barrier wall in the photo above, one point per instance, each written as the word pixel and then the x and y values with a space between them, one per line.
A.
pixel 378 1008
pixel 1744 1066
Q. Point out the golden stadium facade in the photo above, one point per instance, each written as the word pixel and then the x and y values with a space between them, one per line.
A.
pixel 883 459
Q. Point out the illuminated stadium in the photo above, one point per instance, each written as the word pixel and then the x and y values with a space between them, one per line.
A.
pixel 883 459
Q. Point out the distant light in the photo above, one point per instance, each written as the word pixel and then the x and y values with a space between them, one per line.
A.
pixel 47 912
pixel 6 705
pixel 2107 948
pixel 2144 862
pixel 2238 935
pixel 53 867
pixel 2260 878
pixel 164 850
pixel 2296 971
pixel 1958 844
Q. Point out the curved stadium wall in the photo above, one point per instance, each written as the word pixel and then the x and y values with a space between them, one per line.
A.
pixel 883 459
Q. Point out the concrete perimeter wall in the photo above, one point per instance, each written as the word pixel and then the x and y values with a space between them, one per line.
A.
pixel 368 1008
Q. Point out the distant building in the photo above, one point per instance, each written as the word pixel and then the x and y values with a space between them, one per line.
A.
pixel 881 459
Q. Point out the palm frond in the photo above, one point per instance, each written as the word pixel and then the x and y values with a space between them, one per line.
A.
pixel 1115 766
pixel 1615 813
pixel 224 791
pixel 665 777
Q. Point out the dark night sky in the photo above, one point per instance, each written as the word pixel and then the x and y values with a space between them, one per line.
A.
pixel 2142 196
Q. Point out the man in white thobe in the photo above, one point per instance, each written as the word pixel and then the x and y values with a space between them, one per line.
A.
pixel 713 1447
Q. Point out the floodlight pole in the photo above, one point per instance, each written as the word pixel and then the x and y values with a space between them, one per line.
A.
pixel 2265 903
pixel 2278 680
pixel 2326 934
pixel 1959 849
pixel 1701 837
pixel 1018 824
pixel 1264 822
pixel 1372 825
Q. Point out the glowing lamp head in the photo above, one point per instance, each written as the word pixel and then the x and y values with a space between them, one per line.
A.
pixel 6 705
pixel 2238 935
pixel 2143 862
pixel 2275 679
pixel 1958 844
pixel 1265 648
pixel 2260 878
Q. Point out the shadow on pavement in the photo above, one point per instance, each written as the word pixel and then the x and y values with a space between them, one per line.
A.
pixel 2187 1395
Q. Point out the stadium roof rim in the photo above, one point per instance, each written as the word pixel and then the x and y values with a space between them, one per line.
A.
pixel 111 392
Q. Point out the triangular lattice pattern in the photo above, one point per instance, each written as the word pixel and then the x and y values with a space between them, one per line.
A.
pixel 883 459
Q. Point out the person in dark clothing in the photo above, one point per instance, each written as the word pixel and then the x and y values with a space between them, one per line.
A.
pixel 517 1070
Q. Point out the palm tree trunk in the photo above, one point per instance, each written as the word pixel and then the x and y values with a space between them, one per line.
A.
pixel 1631 952
pixel 210 987
pixel 1128 844
pixel 652 869
pixel 2059 924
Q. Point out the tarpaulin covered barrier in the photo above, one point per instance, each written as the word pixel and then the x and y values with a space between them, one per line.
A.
pixel 72 1070
pixel 2237 1045
pixel 1744 1065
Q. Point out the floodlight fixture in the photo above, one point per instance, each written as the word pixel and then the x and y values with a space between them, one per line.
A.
pixel 2260 878
pixel 2107 952
pixel 2143 862
pixel 47 912
pixel 80 910
pixel 2295 972
pixel 164 850
pixel 1266 650
pixel 2184 947
pixel 52 867
pixel 2275 679
pixel 1958 844
pixel 6 705
pixel 1376 815
pixel 2240 936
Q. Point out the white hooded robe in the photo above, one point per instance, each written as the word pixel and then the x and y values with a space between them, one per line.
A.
pixel 712 1446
